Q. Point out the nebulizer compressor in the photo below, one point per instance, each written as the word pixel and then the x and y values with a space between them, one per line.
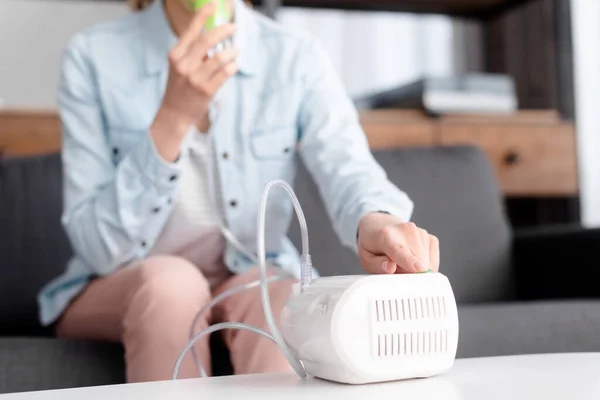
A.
pixel 351 329
pixel 348 329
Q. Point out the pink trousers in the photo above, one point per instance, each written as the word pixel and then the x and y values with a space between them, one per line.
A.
pixel 149 307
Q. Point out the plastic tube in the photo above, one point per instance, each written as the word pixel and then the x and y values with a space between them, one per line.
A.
pixel 305 280
pixel 208 331
pixel 218 299
pixel 306 275
pixel 305 259
pixel 236 243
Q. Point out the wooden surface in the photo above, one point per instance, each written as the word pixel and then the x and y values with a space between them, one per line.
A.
pixel 463 8
pixel 29 132
pixel 537 160
pixel 385 129
pixel 533 152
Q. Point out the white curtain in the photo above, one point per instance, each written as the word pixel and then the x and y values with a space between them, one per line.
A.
pixel 377 50
pixel 586 36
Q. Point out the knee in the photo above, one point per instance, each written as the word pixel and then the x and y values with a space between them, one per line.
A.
pixel 171 282
pixel 279 290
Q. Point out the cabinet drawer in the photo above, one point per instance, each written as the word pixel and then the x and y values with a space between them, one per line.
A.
pixel 529 160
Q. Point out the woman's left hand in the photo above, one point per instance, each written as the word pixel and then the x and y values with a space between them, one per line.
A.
pixel 388 245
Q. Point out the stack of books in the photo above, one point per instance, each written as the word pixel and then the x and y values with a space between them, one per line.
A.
pixel 465 94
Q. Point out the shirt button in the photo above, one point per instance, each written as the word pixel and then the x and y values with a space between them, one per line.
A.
pixel 286 150
pixel 173 178
pixel 226 155
pixel 233 203
pixel 156 210
pixel 115 151
pixel 143 244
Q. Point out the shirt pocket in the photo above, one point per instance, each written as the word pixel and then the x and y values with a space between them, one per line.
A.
pixel 272 144
pixel 273 151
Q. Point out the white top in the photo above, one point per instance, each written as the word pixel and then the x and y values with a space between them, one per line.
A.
pixel 539 377
pixel 192 230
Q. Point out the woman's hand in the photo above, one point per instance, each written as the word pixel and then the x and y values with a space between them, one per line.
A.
pixel 193 81
pixel 387 245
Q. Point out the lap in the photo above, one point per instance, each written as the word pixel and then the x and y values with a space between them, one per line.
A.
pixel 98 312
pixel 246 307
pixel 250 352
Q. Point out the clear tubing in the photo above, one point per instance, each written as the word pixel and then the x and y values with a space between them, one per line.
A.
pixel 218 299
pixel 236 243
pixel 296 364
pixel 208 331
pixel 305 280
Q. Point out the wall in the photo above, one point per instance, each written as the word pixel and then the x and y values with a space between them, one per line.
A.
pixel 32 36
pixel 370 51
pixel 586 39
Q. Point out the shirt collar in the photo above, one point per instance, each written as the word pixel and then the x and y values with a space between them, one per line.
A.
pixel 246 39
pixel 160 38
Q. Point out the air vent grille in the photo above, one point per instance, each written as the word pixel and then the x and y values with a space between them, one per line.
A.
pixel 412 343
pixel 406 309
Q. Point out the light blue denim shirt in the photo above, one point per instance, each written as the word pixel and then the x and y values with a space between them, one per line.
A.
pixel 285 99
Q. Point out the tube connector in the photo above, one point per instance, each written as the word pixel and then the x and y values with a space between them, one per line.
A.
pixel 306 271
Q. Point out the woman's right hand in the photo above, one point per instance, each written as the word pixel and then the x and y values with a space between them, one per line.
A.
pixel 193 81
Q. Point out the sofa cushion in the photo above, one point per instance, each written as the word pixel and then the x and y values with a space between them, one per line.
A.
pixel 529 328
pixel 456 198
pixel 28 364
pixel 33 245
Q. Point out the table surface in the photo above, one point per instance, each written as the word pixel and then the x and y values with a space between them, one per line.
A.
pixel 544 377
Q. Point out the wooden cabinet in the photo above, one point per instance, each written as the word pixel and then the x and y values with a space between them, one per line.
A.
pixel 28 132
pixel 392 129
pixel 533 153
pixel 529 160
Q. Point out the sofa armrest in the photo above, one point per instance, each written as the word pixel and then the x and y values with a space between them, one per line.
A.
pixel 557 263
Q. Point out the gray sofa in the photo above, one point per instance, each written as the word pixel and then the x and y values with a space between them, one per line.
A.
pixel 525 293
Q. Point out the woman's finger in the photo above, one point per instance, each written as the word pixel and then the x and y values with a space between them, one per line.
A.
pixel 210 67
pixel 434 253
pixel 376 264
pixel 198 51
pixel 414 241
pixel 220 77
pixel 425 253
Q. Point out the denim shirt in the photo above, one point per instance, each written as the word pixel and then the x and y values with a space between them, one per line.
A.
pixel 285 99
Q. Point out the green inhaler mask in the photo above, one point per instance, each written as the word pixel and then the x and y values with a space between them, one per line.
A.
pixel 220 17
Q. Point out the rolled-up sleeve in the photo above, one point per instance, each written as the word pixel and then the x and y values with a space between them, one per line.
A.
pixel 107 209
pixel 335 151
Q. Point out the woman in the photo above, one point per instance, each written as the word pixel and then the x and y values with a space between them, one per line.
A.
pixel 162 144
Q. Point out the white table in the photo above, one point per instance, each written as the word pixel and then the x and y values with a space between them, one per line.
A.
pixel 539 377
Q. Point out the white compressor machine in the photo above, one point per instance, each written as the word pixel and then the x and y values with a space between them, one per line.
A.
pixel 351 329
